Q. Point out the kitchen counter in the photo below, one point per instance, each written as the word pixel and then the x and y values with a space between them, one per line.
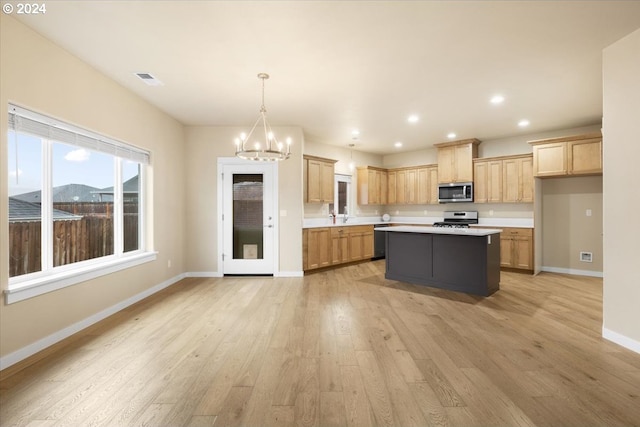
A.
pixel 463 260
pixel 440 230
pixel 422 221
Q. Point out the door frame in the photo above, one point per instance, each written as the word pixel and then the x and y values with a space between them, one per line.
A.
pixel 235 161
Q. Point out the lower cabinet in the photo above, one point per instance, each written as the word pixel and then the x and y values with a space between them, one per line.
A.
pixel 316 244
pixel 339 245
pixel 516 248
pixel 336 245
pixel 360 242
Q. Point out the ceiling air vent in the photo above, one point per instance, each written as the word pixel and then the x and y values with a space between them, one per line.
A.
pixel 149 79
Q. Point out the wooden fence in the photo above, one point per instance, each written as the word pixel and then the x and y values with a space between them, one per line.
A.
pixel 73 241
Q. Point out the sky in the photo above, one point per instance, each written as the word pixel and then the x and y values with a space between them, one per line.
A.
pixel 71 165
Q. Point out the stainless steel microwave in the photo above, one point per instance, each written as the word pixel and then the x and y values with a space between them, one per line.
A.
pixel 455 192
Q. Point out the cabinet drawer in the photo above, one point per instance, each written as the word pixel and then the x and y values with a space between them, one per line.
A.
pixel 338 231
pixel 524 232
pixel 359 228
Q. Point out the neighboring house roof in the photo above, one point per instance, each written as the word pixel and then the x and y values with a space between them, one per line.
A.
pixel 130 186
pixel 21 211
pixel 63 193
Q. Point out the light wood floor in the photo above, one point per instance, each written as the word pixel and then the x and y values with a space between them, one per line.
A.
pixel 339 348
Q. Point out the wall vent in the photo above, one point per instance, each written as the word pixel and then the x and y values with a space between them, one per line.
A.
pixel 149 79
pixel 586 256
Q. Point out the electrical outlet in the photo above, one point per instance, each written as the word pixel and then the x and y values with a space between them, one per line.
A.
pixel 589 212
pixel 586 256
pixel 169 264
pixel 426 212
pixel 491 212
pixel 397 212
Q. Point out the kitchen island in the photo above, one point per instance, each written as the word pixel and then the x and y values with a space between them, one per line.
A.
pixel 457 259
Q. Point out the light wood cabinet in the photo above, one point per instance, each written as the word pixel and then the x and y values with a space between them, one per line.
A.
pixel 480 181
pixel 401 182
pixel 584 156
pixel 410 186
pixel 327 246
pixel 427 185
pixel 360 242
pixel 503 180
pixel 372 186
pixel 517 179
pixel 339 245
pixel 384 196
pixel 391 187
pixel 319 179
pixel 316 248
pixel 566 156
pixel 487 183
pixel 455 160
pixel 516 248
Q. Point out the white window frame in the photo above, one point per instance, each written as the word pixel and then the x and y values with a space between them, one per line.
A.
pixel 53 278
pixel 342 178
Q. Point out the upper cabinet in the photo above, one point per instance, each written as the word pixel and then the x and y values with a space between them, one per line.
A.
pixel 427 182
pixel 413 186
pixel 503 179
pixel 403 186
pixel 572 155
pixel 487 182
pixel 319 179
pixel 372 186
pixel 517 179
pixel 455 160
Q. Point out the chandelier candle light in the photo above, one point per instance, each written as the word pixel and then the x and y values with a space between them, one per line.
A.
pixel 268 151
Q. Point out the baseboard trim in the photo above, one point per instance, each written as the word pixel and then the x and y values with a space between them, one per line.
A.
pixel 31 349
pixel 620 339
pixel 217 274
pixel 289 274
pixel 573 271
pixel 203 274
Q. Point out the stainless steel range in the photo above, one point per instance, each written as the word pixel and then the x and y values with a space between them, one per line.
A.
pixel 458 219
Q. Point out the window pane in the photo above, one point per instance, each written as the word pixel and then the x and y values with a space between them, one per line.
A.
pixel 82 194
pixel 131 208
pixel 25 211
pixel 247 216
pixel 342 196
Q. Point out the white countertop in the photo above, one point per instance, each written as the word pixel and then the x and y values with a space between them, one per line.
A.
pixel 441 230
pixel 424 220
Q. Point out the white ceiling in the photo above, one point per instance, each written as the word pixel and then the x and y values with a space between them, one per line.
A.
pixel 336 66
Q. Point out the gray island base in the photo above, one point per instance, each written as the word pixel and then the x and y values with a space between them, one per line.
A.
pixel 463 260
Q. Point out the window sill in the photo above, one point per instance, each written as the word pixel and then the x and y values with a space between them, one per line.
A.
pixel 41 285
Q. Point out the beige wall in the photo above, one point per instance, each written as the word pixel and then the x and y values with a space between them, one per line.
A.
pixel 566 228
pixel 203 147
pixel 621 146
pixel 38 75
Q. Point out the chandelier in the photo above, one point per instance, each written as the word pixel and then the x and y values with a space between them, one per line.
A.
pixel 267 150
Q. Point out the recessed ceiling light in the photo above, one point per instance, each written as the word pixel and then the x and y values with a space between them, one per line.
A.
pixel 523 123
pixel 398 144
pixel 451 135
pixel 413 118
pixel 497 99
